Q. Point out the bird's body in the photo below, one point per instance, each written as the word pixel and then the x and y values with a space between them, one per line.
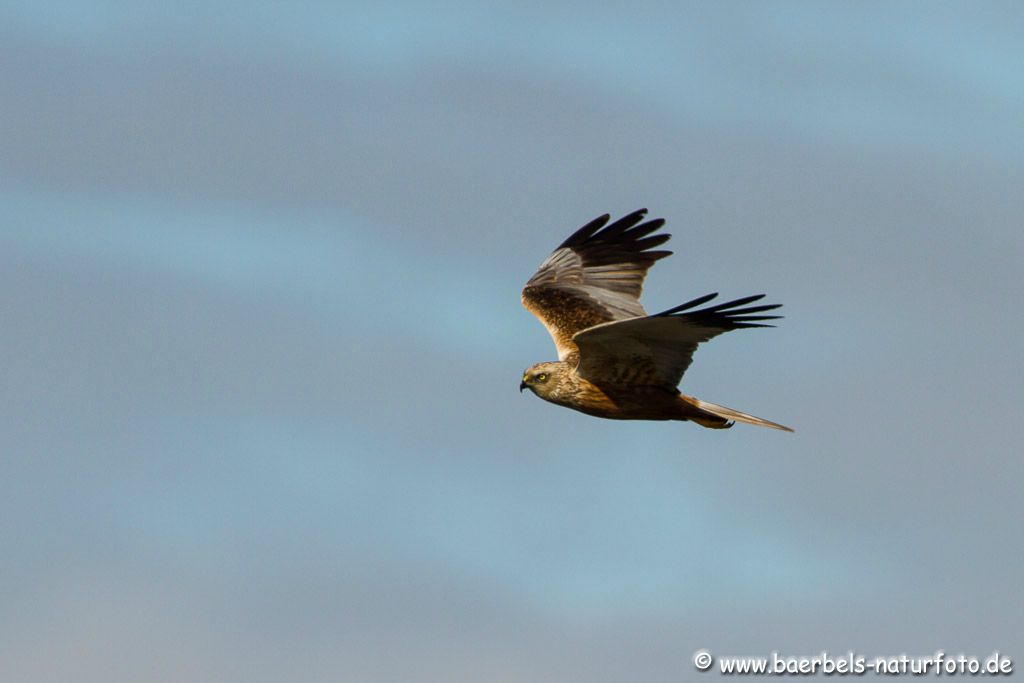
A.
pixel 615 361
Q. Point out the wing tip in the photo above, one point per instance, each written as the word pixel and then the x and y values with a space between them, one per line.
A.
pixel 730 314
pixel 582 235
pixel 626 231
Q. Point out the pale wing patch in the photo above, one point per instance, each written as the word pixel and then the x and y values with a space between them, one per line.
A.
pixel 563 266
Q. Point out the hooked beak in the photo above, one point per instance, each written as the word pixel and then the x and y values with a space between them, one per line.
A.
pixel 522 385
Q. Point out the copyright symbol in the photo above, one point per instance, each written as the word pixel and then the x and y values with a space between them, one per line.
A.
pixel 702 659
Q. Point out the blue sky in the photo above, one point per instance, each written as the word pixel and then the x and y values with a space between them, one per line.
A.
pixel 262 338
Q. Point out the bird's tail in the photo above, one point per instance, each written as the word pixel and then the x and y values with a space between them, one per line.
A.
pixel 719 413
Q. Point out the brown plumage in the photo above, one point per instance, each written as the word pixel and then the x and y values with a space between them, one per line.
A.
pixel 614 360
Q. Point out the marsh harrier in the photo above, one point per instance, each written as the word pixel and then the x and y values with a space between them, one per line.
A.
pixel 614 360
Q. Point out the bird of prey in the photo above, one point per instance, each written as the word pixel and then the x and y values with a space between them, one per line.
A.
pixel 614 360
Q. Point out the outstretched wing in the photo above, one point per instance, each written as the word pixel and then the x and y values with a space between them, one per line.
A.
pixel 657 349
pixel 594 277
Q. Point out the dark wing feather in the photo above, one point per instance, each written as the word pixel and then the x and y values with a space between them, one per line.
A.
pixel 657 349
pixel 594 277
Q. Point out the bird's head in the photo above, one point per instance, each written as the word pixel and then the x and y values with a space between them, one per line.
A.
pixel 542 378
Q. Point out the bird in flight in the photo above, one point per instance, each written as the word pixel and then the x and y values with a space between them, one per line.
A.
pixel 614 360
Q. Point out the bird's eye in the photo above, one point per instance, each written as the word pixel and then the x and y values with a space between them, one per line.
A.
pixel 542 377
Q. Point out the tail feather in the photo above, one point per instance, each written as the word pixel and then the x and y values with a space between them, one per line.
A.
pixel 730 414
